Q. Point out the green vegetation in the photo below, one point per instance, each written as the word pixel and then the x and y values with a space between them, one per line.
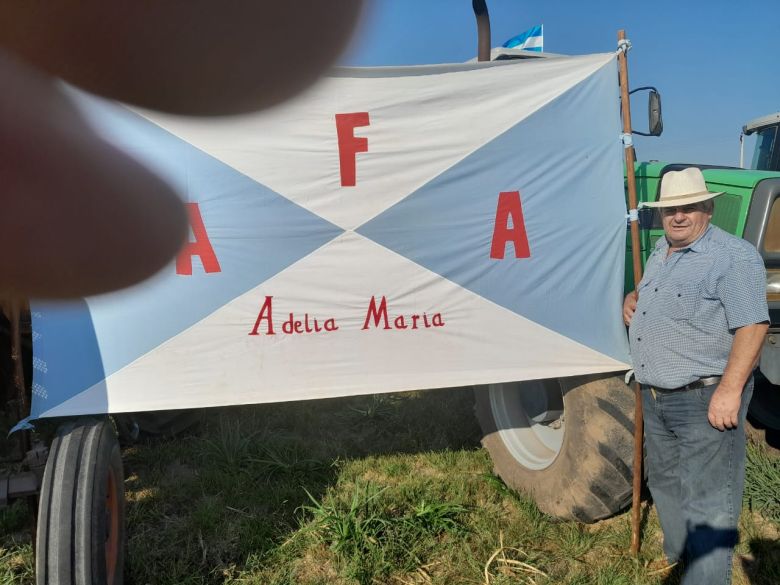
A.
pixel 762 486
pixel 16 558
pixel 371 490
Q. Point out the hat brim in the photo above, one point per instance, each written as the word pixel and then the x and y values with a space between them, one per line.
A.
pixel 681 200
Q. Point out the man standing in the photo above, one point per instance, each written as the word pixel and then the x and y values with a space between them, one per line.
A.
pixel 697 322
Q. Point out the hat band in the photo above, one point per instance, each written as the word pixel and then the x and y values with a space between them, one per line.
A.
pixel 686 196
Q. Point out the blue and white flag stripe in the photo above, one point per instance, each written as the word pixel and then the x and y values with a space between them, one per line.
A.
pixel 530 40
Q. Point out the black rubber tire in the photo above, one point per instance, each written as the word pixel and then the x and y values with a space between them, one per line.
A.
pixel 764 407
pixel 81 508
pixel 763 419
pixel 591 476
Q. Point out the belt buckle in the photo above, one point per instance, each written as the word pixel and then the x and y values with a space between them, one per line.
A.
pixel 702 383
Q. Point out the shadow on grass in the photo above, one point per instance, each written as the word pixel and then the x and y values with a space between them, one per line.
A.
pixel 231 494
pixel 644 514
pixel 761 566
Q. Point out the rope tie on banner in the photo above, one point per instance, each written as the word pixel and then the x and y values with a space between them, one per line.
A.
pixel 624 46
pixel 629 375
pixel 632 215
pixel 627 140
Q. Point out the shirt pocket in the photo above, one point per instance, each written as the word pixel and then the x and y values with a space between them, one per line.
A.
pixel 643 285
pixel 683 301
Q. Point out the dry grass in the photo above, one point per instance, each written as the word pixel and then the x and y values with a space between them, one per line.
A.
pixel 372 490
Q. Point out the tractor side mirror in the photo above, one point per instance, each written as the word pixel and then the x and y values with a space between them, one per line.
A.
pixel 654 119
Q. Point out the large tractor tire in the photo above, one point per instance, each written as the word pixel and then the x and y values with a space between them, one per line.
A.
pixel 81 531
pixel 566 442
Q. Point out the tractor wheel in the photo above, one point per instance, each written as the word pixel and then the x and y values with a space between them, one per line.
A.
pixel 567 442
pixel 764 413
pixel 81 533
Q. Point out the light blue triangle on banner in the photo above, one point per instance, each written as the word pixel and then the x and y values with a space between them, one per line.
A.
pixel 254 231
pixel 565 161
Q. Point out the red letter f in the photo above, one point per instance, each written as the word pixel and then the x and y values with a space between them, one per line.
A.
pixel 349 144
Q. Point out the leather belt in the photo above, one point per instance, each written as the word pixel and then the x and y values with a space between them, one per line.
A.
pixel 700 383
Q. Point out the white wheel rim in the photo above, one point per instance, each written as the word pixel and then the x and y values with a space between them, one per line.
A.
pixel 529 418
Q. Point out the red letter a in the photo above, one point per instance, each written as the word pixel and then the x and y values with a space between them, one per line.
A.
pixel 200 247
pixel 509 207
pixel 266 312
pixel 349 144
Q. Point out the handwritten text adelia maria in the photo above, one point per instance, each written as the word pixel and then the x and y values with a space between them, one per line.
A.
pixel 376 317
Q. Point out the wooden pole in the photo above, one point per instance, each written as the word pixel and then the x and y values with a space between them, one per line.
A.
pixel 16 307
pixel 635 254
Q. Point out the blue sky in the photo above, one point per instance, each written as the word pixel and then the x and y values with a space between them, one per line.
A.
pixel 715 62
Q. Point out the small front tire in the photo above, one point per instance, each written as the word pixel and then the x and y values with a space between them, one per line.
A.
pixel 81 533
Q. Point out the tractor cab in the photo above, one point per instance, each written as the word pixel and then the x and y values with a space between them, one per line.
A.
pixel 766 156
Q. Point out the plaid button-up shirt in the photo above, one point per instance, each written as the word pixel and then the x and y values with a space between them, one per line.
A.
pixel 691 303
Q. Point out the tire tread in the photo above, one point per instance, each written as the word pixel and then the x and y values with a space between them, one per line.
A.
pixel 591 477
pixel 67 523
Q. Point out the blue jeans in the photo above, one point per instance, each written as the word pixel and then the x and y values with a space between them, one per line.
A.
pixel 696 475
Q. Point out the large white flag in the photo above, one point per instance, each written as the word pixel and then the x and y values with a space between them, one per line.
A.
pixel 392 229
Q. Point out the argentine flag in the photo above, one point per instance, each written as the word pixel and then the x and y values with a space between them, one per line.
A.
pixel 530 40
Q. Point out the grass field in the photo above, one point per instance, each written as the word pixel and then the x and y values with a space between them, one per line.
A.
pixel 380 489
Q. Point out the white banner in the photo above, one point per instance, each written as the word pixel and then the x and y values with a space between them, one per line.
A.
pixel 392 229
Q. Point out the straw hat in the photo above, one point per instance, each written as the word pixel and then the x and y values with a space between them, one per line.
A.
pixel 680 188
